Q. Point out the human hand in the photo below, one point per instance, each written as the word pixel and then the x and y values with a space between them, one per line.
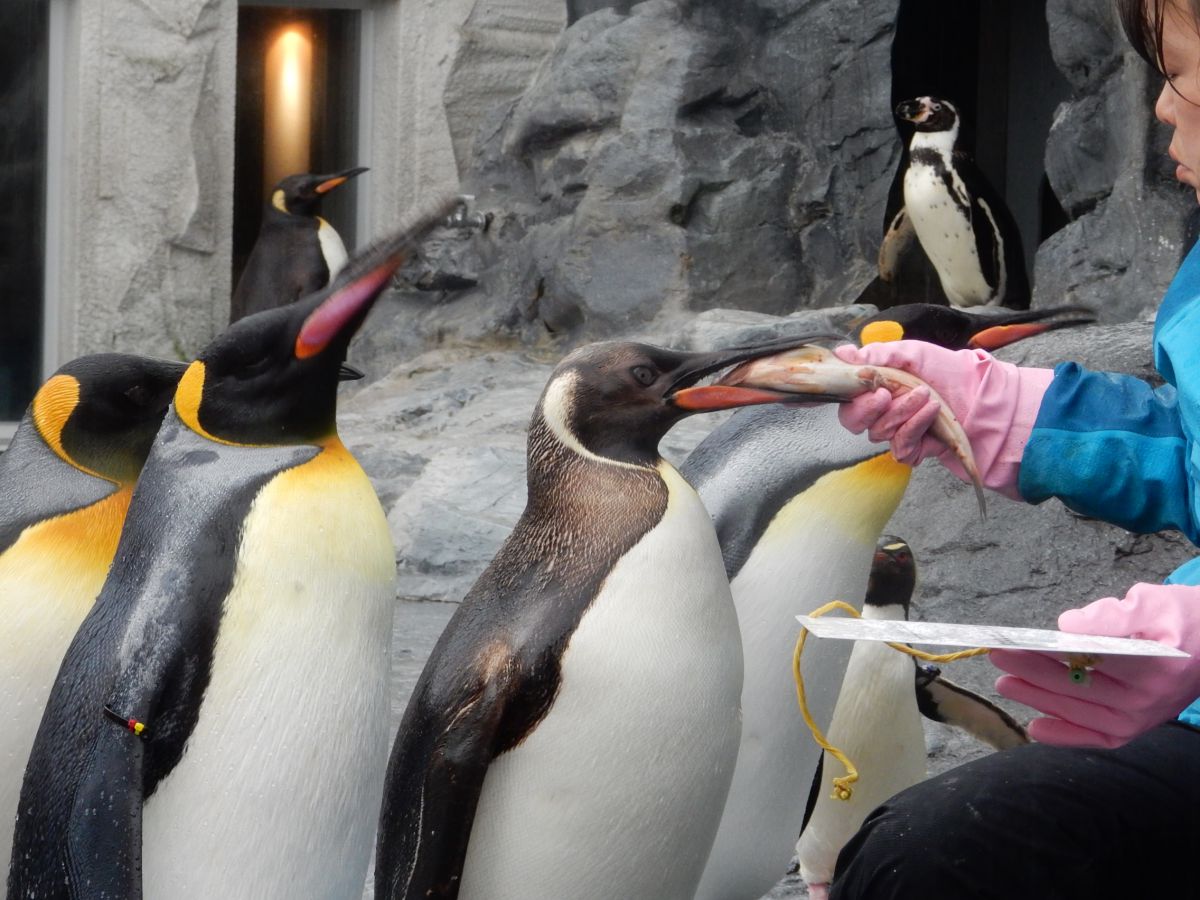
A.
pixel 995 402
pixel 1124 695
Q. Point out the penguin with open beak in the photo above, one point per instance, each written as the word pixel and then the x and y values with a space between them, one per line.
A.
pixel 297 252
pixel 218 727
pixel 575 728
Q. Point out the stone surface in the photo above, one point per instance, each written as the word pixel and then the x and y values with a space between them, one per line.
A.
pixel 146 264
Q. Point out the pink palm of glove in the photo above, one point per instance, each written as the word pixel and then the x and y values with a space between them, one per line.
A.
pixel 995 402
pixel 1125 695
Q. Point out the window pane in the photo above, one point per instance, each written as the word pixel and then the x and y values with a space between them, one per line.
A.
pixel 24 26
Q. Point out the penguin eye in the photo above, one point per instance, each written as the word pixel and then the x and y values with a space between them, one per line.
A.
pixel 644 374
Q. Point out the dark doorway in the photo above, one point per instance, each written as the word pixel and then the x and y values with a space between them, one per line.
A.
pixel 299 69
pixel 992 59
pixel 24 34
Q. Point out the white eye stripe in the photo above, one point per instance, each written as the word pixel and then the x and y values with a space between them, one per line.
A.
pixel 557 406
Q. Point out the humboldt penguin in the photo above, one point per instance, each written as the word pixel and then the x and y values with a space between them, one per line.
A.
pixel 957 329
pixel 65 483
pixel 877 722
pixel 219 724
pixel 297 252
pixel 961 222
pixel 575 728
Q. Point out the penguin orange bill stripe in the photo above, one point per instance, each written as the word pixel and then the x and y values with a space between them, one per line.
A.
pixel 721 396
pixel 328 319
pixel 338 180
pixel 817 374
pixel 1002 335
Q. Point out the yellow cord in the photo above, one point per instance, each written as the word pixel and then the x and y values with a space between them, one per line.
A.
pixel 841 786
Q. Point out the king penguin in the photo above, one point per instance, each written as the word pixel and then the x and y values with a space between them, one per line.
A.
pixel 297 252
pixel 574 730
pixel 798 503
pixel 958 329
pixel 962 223
pixel 65 484
pixel 219 724
pixel 877 722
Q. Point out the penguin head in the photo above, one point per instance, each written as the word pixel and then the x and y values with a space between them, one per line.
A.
pixel 300 195
pixel 271 378
pixel 942 325
pixel 100 413
pixel 929 114
pixel 616 400
pixel 893 574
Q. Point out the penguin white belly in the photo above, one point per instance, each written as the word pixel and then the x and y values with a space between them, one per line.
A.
pixel 332 248
pixel 877 725
pixel 618 790
pixel 277 793
pixel 817 548
pixel 946 236
pixel 49 579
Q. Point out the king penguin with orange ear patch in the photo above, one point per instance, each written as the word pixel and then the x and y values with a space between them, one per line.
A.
pixel 574 730
pixel 65 484
pixel 297 252
pixel 219 725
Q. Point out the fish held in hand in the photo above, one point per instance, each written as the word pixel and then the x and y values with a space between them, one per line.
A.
pixel 814 373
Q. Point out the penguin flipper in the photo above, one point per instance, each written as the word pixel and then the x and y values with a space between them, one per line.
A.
pixel 944 701
pixel 104 838
pixel 434 781
pixel 896 241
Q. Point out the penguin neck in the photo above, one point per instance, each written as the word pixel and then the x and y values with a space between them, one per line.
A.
pixel 891 612
pixel 941 142
pixel 554 453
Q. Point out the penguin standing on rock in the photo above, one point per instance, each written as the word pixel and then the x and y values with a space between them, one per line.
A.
pixel 65 484
pixel 962 223
pixel 575 728
pixel 297 252
pixel 877 722
pixel 219 724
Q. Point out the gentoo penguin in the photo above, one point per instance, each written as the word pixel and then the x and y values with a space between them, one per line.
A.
pixel 957 329
pixel 219 724
pixel 798 503
pixel 574 730
pixel 878 726
pixel 962 223
pixel 65 484
pixel 297 252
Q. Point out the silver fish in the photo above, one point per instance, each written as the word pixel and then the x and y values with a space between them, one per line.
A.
pixel 814 371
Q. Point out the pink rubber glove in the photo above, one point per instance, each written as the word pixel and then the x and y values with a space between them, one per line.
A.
pixel 995 402
pixel 1123 695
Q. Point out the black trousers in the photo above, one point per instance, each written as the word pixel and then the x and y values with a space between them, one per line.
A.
pixel 1040 823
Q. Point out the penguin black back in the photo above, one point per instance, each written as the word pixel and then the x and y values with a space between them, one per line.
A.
pixel 297 252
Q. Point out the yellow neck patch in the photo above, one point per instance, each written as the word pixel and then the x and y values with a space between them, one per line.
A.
pixel 188 394
pixel 52 406
pixel 881 332
pixel 277 201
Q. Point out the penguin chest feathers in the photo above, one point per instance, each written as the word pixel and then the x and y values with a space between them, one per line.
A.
pixel 281 774
pixel 333 251
pixel 941 208
pixel 618 790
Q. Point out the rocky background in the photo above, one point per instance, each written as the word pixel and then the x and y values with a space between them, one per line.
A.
pixel 698 172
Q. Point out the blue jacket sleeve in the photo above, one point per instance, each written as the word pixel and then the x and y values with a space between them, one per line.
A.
pixel 1111 447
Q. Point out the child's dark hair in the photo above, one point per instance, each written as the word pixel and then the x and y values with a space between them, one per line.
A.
pixel 1143 24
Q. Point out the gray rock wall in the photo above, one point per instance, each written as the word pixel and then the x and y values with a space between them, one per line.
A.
pixel 149 174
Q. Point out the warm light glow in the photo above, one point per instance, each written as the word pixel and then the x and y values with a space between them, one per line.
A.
pixel 287 104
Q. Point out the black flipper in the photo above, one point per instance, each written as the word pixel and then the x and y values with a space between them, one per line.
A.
pixel 944 701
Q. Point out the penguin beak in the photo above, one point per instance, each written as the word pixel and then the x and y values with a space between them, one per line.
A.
pixel 709 398
pixel 348 372
pixel 338 179
pixel 913 110
pixel 348 300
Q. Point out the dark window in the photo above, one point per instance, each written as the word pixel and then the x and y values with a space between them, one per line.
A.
pixel 319 49
pixel 24 29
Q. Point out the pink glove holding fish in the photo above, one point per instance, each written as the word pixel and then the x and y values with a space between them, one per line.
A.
pixel 1123 695
pixel 995 402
